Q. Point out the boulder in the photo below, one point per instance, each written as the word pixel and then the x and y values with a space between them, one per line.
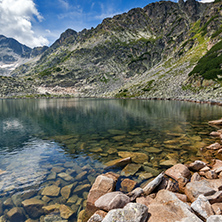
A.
pixel 102 185
pixel 217 165
pixel 33 207
pixel 214 218
pixel 195 188
pixel 16 214
pixel 177 171
pixel 127 185
pixel 52 191
pixel 201 206
pixel 168 208
pixel 144 200
pixel 112 200
pixel 196 165
pixel 132 212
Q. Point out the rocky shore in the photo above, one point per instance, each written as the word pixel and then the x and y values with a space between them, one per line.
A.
pixel 183 192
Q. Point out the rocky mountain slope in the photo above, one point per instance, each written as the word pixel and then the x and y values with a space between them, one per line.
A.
pixel 13 54
pixel 148 52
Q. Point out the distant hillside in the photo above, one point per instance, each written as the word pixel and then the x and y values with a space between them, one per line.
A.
pixel 148 52
pixel 13 54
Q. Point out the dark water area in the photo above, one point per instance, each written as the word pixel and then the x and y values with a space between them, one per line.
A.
pixel 68 142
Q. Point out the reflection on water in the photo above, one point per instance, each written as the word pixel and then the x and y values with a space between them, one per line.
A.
pixel 66 142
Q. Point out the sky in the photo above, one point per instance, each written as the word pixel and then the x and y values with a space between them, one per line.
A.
pixel 38 22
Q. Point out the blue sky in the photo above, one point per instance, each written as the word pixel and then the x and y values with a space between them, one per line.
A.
pixel 38 22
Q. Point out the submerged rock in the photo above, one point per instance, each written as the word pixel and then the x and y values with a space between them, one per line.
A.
pixel 52 191
pixel 16 214
pixel 135 156
pixel 130 169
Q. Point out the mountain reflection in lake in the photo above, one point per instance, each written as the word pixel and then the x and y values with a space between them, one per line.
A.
pixel 68 142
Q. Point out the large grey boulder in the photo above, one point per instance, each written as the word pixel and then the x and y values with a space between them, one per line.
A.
pixel 132 212
pixel 202 207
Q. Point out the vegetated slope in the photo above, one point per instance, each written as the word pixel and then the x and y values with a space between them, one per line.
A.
pixel 144 53
pixel 13 54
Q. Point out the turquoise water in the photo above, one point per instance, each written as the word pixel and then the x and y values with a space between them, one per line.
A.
pixel 44 137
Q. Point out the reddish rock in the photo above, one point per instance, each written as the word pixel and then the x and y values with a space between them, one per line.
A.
pixel 210 175
pixel 217 165
pixel 97 216
pixel 217 134
pixel 102 185
pixel 177 171
pixel 182 197
pixel 214 146
pixel 127 185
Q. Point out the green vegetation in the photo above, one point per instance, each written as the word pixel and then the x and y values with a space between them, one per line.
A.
pixel 215 34
pixel 209 66
pixel 148 87
pixel 203 30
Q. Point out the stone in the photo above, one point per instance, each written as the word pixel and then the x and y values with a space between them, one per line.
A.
pixel 118 163
pixel 15 215
pixel 130 169
pixel 57 169
pixel 135 193
pixel 216 122
pixel 116 132
pixel 72 199
pixel 194 189
pixel 215 198
pixel 215 134
pixel 112 200
pixel 182 197
pixel 168 163
pixel 119 138
pixel 201 206
pixel 102 185
pixel 66 191
pixel 217 208
pixel 127 185
pixel 214 146
pixel 145 176
pixel 195 177
pixel 217 164
pixel 46 199
pixel 81 175
pixel 214 218
pixel 51 176
pixel 81 188
pixel 153 184
pixel 168 208
pixel 178 171
pixel 141 145
pixel 52 191
pixel 96 150
pixel 52 218
pixel 33 207
pixel 210 174
pixel 65 176
pixel 132 212
pixel 153 150
pixel 51 208
pixel 98 216
pixel 65 212
pixel 135 156
pixel 151 170
pixel 144 200
pixel 196 165
pixel 8 203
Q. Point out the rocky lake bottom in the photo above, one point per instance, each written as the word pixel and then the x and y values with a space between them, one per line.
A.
pixel 52 150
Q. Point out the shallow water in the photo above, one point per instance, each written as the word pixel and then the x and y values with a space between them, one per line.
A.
pixel 40 139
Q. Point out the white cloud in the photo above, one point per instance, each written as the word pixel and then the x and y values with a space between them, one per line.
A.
pixel 206 1
pixel 16 18
pixel 64 4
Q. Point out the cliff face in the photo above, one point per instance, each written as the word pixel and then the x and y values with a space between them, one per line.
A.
pixel 147 52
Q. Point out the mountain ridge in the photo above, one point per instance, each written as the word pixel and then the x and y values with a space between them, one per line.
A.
pixel 134 54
